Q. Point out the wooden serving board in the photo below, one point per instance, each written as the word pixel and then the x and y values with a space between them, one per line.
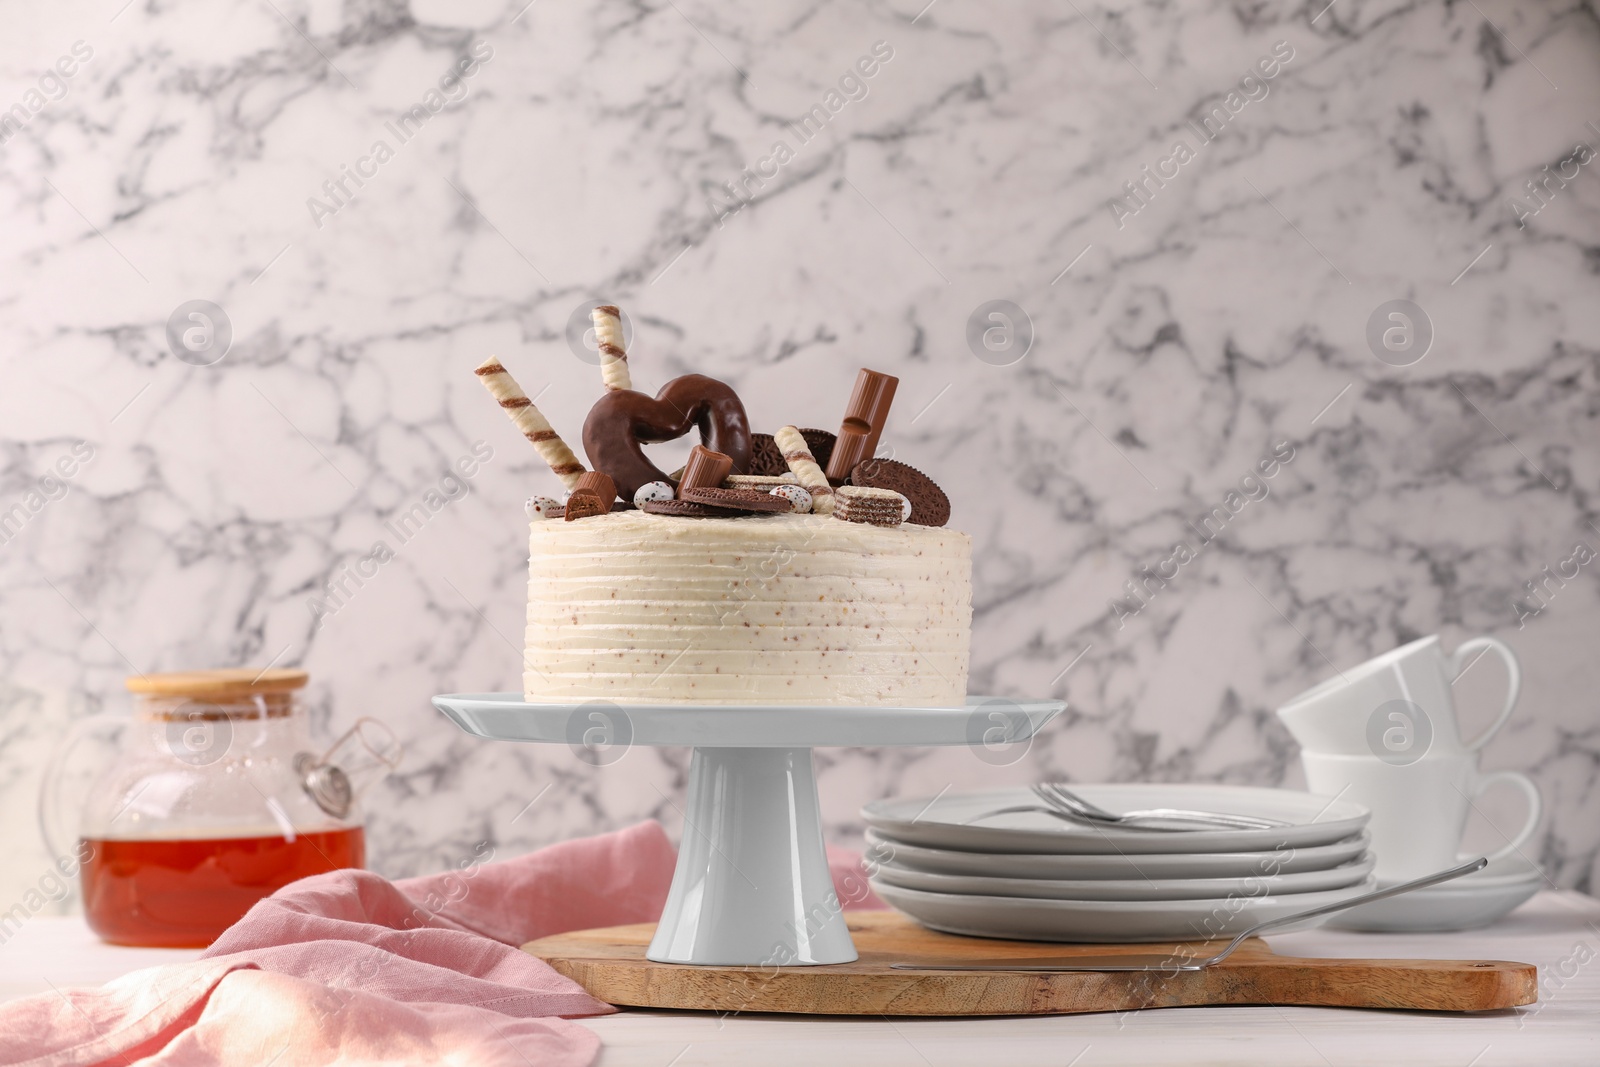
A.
pixel 610 964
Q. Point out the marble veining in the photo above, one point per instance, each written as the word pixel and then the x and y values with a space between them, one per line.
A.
pixel 1186 317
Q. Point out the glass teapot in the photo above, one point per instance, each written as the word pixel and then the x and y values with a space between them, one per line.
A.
pixel 214 799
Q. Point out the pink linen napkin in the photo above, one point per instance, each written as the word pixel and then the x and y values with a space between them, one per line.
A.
pixel 350 968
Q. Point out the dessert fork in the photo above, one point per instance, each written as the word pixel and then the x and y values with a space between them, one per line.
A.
pixel 1173 961
pixel 1063 803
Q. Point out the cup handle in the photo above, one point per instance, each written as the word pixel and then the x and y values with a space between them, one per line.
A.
pixel 1464 655
pixel 1535 806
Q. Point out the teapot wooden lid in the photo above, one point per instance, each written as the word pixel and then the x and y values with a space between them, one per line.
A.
pixel 222 684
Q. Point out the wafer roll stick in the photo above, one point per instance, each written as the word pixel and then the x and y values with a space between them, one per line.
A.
pixel 527 418
pixel 804 466
pixel 608 336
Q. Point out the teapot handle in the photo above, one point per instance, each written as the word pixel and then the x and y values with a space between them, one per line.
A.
pixel 50 782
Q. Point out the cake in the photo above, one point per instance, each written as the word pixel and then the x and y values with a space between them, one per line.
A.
pixel 783 609
pixel 756 575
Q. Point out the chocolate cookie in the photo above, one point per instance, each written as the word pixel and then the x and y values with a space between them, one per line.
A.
pixel 820 443
pixel 687 509
pixel 765 456
pixel 743 499
pixel 929 505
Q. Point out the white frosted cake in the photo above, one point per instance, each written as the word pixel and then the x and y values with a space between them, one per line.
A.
pixel 792 568
pixel 773 609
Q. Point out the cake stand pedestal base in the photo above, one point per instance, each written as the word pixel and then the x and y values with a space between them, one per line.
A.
pixel 752 882
pixel 752 887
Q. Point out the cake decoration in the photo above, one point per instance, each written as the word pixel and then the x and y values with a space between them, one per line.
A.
pixel 653 491
pixel 623 420
pixel 731 471
pixel 543 507
pixel 804 466
pixel 705 470
pixel 608 338
pixel 688 509
pixel 593 495
pixel 527 418
pixel 864 419
pixel 880 507
pixel 799 500
pixel 760 481
pixel 583 506
pixel 820 442
pixel 766 458
pixel 756 500
pixel 929 505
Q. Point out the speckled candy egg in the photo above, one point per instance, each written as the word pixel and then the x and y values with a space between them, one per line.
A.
pixel 799 500
pixel 653 491
pixel 905 508
pixel 542 507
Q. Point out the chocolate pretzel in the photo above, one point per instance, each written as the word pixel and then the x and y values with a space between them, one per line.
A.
pixel 623 420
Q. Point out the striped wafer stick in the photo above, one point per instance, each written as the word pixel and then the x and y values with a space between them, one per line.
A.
pixel 804 466
pixel 527 418
pixel 608 336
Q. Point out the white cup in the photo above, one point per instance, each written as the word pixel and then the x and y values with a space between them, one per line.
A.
pixel 1397 706
pixel 1419 809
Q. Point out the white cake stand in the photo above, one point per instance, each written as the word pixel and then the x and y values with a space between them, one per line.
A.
pixel 752 886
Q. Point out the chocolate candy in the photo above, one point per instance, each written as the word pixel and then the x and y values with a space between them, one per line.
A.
pixel 799 500
pixel 929 505
pixel 583 506
pixel 705 470
pixel 653 491
pixel 864 418
pixel 623 420
pixel 543 507
pixel 593 495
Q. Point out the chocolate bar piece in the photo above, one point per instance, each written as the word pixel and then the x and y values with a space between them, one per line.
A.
pixel 705 469
pixel 864 418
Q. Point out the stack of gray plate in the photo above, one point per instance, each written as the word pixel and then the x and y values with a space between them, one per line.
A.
pixel 1031 876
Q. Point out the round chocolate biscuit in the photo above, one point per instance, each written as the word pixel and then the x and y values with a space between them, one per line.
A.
pixel 820 442
pixel 929 505
pixel 687 509
pixel 766 457
pixel 743 499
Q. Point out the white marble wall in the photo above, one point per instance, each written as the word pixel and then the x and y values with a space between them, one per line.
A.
pixel 586 155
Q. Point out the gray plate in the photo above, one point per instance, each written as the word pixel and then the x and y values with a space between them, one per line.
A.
pixel 885 849
pixel 1108 921
pixel 1131 889
pixel 1467 903
pixel 944 821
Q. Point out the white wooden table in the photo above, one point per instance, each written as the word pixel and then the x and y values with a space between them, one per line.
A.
pixel 1560 932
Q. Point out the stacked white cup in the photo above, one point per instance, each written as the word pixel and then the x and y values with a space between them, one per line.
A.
pixel 1384 734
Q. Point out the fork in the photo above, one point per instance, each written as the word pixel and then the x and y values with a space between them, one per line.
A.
pixel 1063 803
pixel 1173 962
